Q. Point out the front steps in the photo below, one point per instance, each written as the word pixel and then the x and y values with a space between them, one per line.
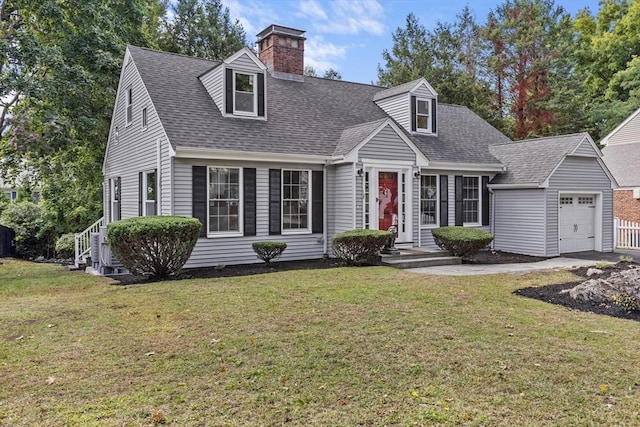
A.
pixel 417 258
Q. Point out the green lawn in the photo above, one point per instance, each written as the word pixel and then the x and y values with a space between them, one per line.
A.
pixel 349 346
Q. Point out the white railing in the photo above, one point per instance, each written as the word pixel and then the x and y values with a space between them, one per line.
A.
pixel 626 234
pixel 83 240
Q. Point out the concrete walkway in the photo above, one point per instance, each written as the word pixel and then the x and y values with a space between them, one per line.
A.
pixel 583 259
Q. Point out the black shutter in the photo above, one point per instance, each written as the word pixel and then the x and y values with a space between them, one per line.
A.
pixel 249 189
pixel 434 121
pixel 444 200
pixel 199 196
pixel 274 202
pixel 260 94
pixel 413 113
pixel 485 200
pixel 459 203
pixel 140 194
pixel 317 202
pixel 228 81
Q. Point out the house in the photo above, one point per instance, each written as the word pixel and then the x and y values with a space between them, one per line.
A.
pixel 621 150
pixel 258 151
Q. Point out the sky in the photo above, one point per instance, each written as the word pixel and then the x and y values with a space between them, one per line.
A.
pixel 350 35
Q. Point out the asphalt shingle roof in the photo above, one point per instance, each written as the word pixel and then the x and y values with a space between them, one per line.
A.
pixel 314 117
pixel 623 160
pixel 531 161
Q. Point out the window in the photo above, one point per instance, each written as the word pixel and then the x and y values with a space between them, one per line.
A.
pixel 423 124
pixel 115 199
pixel 224 200
pixel 470 199
pixel 144 118
pixel 295 200
pixel 428 200
pixel 36 197
pixel 129 105
pixel 149 194
pixel 244 93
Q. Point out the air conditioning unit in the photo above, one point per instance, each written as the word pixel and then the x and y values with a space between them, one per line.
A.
pixel 636 193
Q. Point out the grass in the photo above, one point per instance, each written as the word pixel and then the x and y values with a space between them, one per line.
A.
pixel 348 346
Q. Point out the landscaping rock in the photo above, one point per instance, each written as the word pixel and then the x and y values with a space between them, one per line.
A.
pixel 603 290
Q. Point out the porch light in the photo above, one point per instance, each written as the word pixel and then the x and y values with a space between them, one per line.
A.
pixel 359 168
pixel 416 172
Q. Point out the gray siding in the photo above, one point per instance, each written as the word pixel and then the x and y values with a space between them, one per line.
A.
pixel 387 145
pixel 213 82
pixel 423 92
pixel 136 150
pixel 243 62
pixel 398 108
pixel 579 175
pixel 237 250
pixel 166 178
pixel 520 221
pixel 343 198
pixel 586 149
pixel 628 133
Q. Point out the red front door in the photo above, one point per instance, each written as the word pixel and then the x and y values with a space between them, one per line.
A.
pixel 387 200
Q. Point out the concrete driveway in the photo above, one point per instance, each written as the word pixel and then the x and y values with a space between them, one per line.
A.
pixel 580 259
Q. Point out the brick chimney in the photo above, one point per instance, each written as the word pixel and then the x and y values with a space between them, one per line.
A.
pixel 281 49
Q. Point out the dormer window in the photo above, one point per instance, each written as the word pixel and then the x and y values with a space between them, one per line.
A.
pixel 244 93
pixel 422 115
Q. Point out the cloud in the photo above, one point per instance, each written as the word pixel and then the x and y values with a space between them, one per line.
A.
pixel 322 55
pixel 312 10
pixel 254 15
pixel 352 17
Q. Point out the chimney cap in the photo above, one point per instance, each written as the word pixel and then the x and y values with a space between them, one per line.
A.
pixel 281 29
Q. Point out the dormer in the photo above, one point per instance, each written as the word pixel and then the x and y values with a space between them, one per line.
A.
pixel 413 105
pixel 238 86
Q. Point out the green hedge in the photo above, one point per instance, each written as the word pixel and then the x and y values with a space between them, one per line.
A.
pixel 66 246
pixel 268 250
pixel 155 246
pixel 461 241
pixel 359 247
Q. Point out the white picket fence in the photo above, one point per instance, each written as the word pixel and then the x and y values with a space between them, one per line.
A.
pixel 626 234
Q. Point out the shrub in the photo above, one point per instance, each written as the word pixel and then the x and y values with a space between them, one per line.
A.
pixel 461 241
pixel 625 258
pixel 155 246
pixel 359 247
pixel 66 246
pixel 34 234
pixel 268 249
pixel 628 302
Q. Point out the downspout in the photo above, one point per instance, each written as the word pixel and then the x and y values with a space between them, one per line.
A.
pixel 492 196
pixel 325 210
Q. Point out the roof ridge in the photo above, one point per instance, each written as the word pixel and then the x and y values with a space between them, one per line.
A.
pixel 182 55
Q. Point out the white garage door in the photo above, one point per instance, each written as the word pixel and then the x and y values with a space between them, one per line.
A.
pixel 577 222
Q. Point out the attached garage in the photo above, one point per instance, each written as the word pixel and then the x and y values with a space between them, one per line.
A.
pixel 555 197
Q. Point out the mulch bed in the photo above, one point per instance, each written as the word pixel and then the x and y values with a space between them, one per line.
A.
pixel 551 294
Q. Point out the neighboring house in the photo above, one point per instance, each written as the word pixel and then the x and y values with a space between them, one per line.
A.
pixel 621 149
pixel 257 151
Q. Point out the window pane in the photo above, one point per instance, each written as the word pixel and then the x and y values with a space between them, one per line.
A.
pixel 422 122
pixel 428 199
pixel 151 186
pixel 422 107
pixel 295 195
pixel 471 199
pixel 244 83
pixel 224 199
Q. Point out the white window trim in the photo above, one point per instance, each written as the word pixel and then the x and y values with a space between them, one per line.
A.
pixel 428 129
pixel 112 194
pixel 144 118
pixel 145 175
pixel 129 104
pixel 309 203
pixel 220 234
pixel 479 222
pixel 255 94
pixel 437 223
